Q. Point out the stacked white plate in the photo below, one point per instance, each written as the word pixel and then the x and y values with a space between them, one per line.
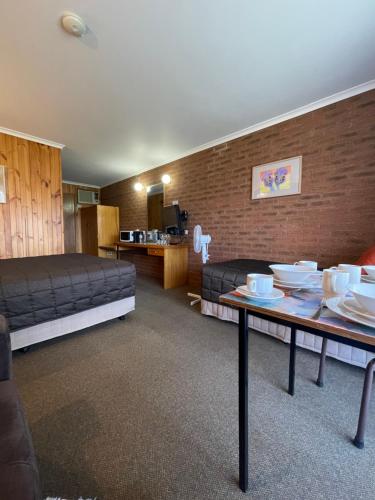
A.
pixel 274 295
pixel 312 282
pixel 367 279
pixel 293 277
pixel 349 308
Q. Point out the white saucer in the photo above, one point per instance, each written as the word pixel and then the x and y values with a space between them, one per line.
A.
pixel 334 304
pixel 367 279
pixel 353 306
pixel 274 295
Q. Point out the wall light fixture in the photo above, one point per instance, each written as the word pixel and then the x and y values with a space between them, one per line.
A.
pixel 166 179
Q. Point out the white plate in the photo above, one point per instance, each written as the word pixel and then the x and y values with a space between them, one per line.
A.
pixel 353 306
pixel 292 283
pixel 303 285
pixel 335 306
pixel 367 279
pixel 274 295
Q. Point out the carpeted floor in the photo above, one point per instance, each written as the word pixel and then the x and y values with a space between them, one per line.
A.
pixel 146 408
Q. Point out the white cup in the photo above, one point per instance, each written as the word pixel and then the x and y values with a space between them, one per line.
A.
pixel 335 283
pixel 260 284
pixel 354 272
pixel 307 263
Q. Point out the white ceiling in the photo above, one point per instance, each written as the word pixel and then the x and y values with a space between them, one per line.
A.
pixel 154 79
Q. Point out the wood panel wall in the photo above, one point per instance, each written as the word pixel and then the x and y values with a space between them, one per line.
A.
pixel 31 219
pixel 72 189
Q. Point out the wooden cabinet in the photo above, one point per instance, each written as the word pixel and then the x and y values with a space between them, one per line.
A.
pixel 99 228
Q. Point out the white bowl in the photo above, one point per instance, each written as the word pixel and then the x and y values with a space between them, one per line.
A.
pixel 288 272
pixel 365 295
pixel 370 270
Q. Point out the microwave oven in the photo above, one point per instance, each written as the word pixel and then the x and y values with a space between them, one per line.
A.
pixel 127 236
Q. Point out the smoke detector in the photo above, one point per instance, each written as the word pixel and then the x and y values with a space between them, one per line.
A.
pixel 73 24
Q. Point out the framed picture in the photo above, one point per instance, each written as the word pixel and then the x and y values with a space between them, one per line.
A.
pixel 280 178
pixel 3 191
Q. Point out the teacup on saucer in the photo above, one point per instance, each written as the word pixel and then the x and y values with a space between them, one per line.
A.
pixel 307 263
pixel 260 284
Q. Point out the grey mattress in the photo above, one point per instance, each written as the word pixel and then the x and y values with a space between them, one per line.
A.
pixel 38 289
pixel 222 277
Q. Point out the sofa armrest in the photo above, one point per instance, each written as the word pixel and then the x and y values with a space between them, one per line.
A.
pixel 5 350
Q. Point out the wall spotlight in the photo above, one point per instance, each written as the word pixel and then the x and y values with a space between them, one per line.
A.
pixel 166 179
pixel 138 186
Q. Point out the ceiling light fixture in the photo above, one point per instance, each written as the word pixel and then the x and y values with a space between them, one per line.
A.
pixel 166 179
pixel 73 24
pixel 138 186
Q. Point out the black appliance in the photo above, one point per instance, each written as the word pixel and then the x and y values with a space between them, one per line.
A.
pixel 174 220
pixel 139 236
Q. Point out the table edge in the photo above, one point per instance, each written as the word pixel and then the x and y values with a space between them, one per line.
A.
pixel 308 322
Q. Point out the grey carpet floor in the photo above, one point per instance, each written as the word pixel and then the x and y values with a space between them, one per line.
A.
pixel 146 408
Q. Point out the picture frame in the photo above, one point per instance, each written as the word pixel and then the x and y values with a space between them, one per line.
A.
pixel 3 191
pixel 279 178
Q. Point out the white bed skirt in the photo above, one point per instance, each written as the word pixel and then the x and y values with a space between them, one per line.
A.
pixel 348 354
pixel 68 324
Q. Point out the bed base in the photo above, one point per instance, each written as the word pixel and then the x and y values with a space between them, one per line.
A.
pixel 21 339
pixel 345 353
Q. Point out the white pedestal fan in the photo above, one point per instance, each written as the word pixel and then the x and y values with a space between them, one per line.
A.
pixel 201 242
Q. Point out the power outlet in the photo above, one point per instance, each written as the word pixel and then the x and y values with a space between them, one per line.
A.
pixel 175 202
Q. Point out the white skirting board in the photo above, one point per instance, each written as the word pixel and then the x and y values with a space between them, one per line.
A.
pixel 342 352
pixel 68 324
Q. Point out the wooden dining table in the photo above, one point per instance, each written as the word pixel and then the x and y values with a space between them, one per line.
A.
pixel 296 311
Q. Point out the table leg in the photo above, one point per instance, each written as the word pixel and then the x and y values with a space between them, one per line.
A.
pixel 292 360
pixel 243 367
pixel 359 439
pixel 322 363
pixel 117 252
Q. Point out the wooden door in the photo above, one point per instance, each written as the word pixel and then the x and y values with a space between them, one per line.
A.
pixel 69 223
pixel 89 230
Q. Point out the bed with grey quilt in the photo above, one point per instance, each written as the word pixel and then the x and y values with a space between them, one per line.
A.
pixel 48 296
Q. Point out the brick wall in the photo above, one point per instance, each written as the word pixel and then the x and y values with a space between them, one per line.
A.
pixel 331 221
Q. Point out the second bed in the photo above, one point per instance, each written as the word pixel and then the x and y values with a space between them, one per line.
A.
pixel 48 296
